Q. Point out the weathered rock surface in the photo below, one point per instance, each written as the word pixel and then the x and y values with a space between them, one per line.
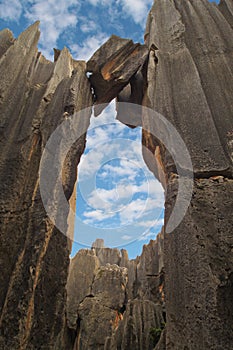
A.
pixel 110 286
pixel 6 40
pixel 226 7
pixel 112 66
pixel 82 270
pixel 189 80
pixel 34 255
pixel 123 305
pixel 199 265
pixel 135 330
pixel 100 312
pixel 96 323
pixel 191 84
pixel 150 271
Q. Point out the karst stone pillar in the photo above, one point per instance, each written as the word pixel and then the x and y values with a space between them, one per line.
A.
pixel 35 97
pixel 189 81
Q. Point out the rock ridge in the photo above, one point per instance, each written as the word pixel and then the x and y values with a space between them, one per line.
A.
pixel 114 295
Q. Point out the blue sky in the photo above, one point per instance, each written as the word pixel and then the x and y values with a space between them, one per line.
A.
pixel 81 25
pixel 119 200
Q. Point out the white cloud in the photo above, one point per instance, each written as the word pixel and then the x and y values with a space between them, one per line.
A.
pixel 10 11
pixel 152 187
pixel 137 9
pixel 124 189
pixel 88 47
pixel 149 235
pixel 96 215
pixel 119 197
pixel 126 237
pixel 120 203
pixel 55 17
pixel 100 2
pixel 150 223
pixel 125 169
pixel 90 161
pixel 132 211
pixel 139 209
pixel 88 26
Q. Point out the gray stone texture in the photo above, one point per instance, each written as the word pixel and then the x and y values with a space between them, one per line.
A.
pixel 187 77
pixel 190 82
pixel 124 302
pixel 34 255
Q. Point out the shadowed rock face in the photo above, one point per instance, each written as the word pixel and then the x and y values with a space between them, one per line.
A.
pixel 187 77
pixel 112 66
pixel 190 82
pixel 115 306
pixel 34 255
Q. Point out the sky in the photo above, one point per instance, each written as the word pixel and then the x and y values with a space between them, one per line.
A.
pixel 118 199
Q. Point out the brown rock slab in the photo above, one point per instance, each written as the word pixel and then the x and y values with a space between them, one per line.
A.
pixel 189 81
pixel 226 7
pixel 112 66
pixel 96 324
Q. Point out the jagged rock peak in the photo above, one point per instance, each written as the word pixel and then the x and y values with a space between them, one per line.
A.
pixel 99 243
pixel 34 255
pixel 107 291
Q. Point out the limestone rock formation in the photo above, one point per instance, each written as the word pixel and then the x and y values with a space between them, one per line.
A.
pixel 226 7
pixel 82 271
pixel 99 312
pixel 112 66
pixel 120 310
pixel 186 77
pixel 36 96
pixel 190 83
pixel 34 255
pixel 136 329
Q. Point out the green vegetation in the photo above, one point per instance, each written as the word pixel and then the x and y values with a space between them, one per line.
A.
pixel 155 333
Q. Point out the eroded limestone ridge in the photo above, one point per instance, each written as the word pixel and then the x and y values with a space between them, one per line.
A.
pixel 184 72
pixel 114 302
pixel 190 83
pixel 36 96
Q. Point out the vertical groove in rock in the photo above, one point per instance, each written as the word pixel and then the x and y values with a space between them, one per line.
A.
pixel 116 302
pixel 35 94
pixel 190 84
pixel 187 77
pixel 226 7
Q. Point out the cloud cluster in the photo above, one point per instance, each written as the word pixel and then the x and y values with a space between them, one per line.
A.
pixel 137 9
pixel 114 181
pixel 55 16
pixel 12 11
pixel 89 22
pixel 92 42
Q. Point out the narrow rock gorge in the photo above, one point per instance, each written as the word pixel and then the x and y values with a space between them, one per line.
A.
pixel 179 293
